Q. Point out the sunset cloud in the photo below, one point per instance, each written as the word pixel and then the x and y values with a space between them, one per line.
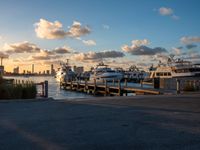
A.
pixel 21 47
pixel 63 50
pixel 76 30
pixel 97 55
pixel 139 47
pixel 45 55
pixel 53 30
pixel 4 55
pixel 89 42
pixel 190 39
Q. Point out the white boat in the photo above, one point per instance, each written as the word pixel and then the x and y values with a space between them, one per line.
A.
pixel 175 69
pixel 65 73
pixel 102 72
pixel 181 68
pixel 133 73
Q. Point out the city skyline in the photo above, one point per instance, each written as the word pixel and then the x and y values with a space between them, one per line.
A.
pixel 121 33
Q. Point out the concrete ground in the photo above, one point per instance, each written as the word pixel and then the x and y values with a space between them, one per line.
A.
pixel 114 123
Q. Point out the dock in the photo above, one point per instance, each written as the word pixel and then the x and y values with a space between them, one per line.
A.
pixel 116 88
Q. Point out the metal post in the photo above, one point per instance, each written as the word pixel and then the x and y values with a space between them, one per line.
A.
pixel 46 88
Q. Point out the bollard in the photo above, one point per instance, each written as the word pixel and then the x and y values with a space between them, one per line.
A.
pixel 46 88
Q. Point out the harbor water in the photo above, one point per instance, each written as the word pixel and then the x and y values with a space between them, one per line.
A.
pixel 54 90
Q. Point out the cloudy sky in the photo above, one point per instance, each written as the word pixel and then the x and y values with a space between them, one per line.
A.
pixel 119 32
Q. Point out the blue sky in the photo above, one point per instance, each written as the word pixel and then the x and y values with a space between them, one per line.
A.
pixel 112 23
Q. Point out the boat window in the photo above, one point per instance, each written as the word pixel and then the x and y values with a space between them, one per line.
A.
pixel 169 73
pixel 165 74
pixel 157 74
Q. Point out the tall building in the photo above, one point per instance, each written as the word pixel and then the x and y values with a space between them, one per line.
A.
pixel 52 70
pixel 16 70
pixel 48 72
pixel 32 68
pixel 1 70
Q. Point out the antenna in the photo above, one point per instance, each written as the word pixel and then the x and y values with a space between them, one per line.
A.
pixel 67 62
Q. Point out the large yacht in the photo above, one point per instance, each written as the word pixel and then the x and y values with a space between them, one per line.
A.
pixel 134 74
pixel 103 72
pixel 175 69
pixel 64 73
pixel 181 68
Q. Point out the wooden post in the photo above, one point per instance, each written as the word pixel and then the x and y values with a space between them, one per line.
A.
pixel 125 85
pixel 177 86
pixel 105 88
pixel 141 83
pixel 95 86
pixel 114 82
pixel 119 87
pixel 71 85
pixel 85 85
pixel 46 88
pixel 42 89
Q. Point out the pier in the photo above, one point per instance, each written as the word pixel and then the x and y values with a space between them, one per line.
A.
pixel 115 88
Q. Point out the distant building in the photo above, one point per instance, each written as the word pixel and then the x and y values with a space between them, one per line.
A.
pixel 33 69
pixel 16 70
pixel 53 72
pixel 47 71
pixel 1 70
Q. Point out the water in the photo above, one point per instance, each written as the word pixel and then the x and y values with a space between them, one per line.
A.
pixel 54 87
pixel 57 93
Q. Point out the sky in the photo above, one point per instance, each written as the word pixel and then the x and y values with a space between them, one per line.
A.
pixel 121 33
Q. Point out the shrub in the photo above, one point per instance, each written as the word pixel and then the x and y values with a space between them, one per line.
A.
pixel 17 91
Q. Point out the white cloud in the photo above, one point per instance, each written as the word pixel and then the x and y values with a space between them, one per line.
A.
pixel 89 42
pixel 165 11
pixel 96 55
pixel 190 39
pixel 176 51
pixel 135 44
pixel 139 47
pixel 53 30
pixel 49 30
pixel 105 26
pixel 76 30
